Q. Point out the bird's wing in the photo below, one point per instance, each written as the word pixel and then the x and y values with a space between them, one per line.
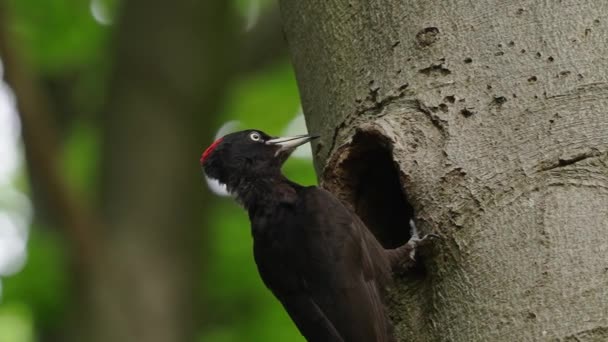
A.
pixel 293 291
pixel 329 272
pixel 351 271
pixel 375 259
pixel 354 314
pixel 309 318
pixel 371 255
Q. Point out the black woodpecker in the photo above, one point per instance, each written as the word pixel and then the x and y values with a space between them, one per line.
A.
pixel 316 256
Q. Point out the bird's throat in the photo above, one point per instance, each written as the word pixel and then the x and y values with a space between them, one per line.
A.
pixel 265 192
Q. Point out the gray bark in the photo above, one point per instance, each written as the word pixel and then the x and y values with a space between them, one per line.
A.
pixel 491 118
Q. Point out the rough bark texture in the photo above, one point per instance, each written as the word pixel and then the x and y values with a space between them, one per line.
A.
pixel 491 116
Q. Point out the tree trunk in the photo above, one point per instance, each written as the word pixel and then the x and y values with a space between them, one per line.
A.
pixel 171 67
pixel 488 118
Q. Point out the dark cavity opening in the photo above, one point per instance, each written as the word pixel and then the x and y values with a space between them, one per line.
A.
pixel 374 189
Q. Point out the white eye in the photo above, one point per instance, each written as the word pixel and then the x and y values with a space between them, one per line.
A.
pixel 255 136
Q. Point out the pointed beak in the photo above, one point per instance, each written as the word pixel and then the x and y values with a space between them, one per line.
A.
pixel 290 143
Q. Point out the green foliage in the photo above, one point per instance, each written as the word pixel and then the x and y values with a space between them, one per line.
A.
pixel 58 34
pixel 245 6
pixel 15 323
pixel 267 100
pixel 42 285
pixel 64 42
pixel 81 158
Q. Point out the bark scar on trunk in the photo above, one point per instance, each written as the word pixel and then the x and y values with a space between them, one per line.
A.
pixel 562 162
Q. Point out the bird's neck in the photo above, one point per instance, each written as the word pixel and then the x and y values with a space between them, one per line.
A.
pixel 256 192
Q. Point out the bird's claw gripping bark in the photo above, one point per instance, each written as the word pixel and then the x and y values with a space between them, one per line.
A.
pixel 403 258
pixel 415 241
pixel 425 240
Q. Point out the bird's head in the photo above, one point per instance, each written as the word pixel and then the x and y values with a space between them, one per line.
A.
pixel 249 153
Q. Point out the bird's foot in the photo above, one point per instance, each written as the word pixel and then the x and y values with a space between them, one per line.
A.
pixel 416 242
pixel 403 259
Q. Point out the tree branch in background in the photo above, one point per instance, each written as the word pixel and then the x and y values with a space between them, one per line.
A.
pixel 140 253
pixel 73 216
pixel 172 64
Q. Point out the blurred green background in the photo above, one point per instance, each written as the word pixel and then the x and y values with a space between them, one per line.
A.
pixel 88 77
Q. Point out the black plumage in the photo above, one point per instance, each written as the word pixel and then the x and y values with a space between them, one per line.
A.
pixel 315 255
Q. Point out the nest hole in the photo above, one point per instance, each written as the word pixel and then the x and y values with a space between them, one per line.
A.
pixel 373 187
